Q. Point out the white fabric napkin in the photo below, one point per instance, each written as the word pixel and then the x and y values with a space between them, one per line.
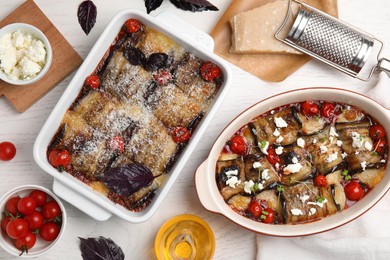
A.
pixel 367 237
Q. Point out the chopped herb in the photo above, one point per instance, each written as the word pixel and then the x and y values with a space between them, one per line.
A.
pixel 263 144
pixel 320 199
pixel 344 172
pixel 347 178
pixel 280 188
pixel 375 153
pixel 263 217
pixel 264 213
pixel 317 118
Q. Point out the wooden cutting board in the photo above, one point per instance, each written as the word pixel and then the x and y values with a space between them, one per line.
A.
pixel 269 67
pixel 65 58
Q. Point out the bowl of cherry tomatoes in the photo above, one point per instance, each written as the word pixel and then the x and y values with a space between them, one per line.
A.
pixel 33 220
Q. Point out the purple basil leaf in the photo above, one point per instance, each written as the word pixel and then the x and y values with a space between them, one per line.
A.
pixel 128 179
pixel 194 5
pixel 87 13
pixel 152 5
pixel 100 248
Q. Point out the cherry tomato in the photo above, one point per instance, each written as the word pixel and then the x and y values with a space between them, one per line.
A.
pixel 328 110
pixel 320 181
pixel 269 215
pixel 59 158
pixel 26 242
pixel 132 25
pixel 353 191
pixel 377 132
pixel 26 205
pixel 309 108
pixel 39 196
pixel 272 157
pixel 51 209
pixel 49 231
pixel 238 145
pixel 117 143
pixel 4 223
pixel 92 81
pixel 180 134
pixel 255 208
pixel 34 220
pixel 210 71
pixel 163 77
pixel 379 145
pixel 12 205
pixel 7 151
pixel 17 228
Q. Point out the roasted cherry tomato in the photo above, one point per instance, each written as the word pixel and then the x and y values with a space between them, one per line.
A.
pixel 92 81
pixel 51 209
pixel 353 191
pixel 12 205
pixel 49 231
pixel 180 134
pixel 255 208
pixel 162 77
pixel 39 196
pixel 7 151
pixel 4 223
pixel 59 158
pixel 26 242
pixel 34 220
pixel 132 25
pixel 328 110
pixel 320 181
pixel 309 108
pixel 117 143
pixel 377 132
pixel 26 205
pixel 379 145
pixel 17 228
pixel 238 145
pixel 272 157
pixel 268 215
pixel 210 71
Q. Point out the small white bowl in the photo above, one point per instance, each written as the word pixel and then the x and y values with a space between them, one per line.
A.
pixel 41 246
pixel 36 34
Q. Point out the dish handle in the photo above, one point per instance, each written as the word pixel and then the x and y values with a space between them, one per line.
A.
pixel 79 201
pixel 201 184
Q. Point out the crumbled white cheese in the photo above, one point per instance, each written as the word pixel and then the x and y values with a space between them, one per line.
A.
pixel 292 168
pixel 294 160
pixel 357 140
pixel 233 181
pixel 279 122
pixel 331 138
pixel 263 147
pixel 231 173
pixel 279 139
pixel 356 152
pixel 272 112
pixel 332 157
pixel 296 212
pixel 301 142
pixel 276 132
pixel 344 154
pixel 256 165
pixel 254 131
pixel 312 211
pixel 248 186
pixel 323 149
pixel 368 145
pixel 277 165
pixel 333 132
pixel 339 143
pixel 279 150
pixel 363 165
pixel 383 161
pixel 265 174
pixel 319 204
pixel 315 140
pixel 304 198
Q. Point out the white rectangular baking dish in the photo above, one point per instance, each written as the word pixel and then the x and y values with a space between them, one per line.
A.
pixel 81 195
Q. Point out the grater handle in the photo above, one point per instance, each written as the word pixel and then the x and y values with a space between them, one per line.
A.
pixel 384 65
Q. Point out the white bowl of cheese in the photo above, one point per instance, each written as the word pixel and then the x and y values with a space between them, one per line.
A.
pixel 25 54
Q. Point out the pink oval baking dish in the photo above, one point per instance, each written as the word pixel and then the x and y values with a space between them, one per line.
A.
pixel 97 205
pixel 213 201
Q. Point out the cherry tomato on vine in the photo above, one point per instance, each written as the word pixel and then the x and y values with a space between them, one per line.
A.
pixel 39 196
pixel 268 215
pixel 377 132
pixel 12 205
pixel 180 134
pixel 4 223
pixel 328 110
pixel 255 208
pixel 49 231
pixel 379 145
pixel 309 108
pixel 26 242
pixel 238 145
pixel 320 181
pixel 51 209
pixel 272 157
pixel 59 158
pixel 34 220
pixel 7 151
pixel 17 228
pixel 132 25
pixel 26 205
pixel 353 191
pixel 210 71
pixel 92 81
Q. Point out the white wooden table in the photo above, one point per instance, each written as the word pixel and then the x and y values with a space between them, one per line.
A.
pixel 137 240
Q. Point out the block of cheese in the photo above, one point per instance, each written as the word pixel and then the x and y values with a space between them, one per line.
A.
pixel 254 31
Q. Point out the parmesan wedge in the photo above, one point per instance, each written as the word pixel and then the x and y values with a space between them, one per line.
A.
pixel 254 31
